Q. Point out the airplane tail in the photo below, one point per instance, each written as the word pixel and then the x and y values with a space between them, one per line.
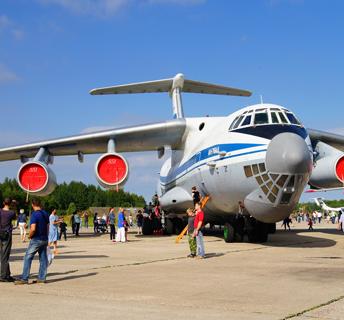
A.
pixel 175 86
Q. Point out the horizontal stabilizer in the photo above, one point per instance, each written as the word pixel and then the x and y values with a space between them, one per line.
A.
pixel 166 85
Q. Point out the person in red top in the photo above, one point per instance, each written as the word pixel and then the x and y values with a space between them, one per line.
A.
pixel 198 224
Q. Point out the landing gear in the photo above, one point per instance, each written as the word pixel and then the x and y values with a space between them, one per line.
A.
pixel 174 225
pixel 257 232
pixel 228 232
pixel 147 227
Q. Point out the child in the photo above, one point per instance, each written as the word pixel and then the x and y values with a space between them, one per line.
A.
pixel 310 223
pixel 191 238
pixel 63 229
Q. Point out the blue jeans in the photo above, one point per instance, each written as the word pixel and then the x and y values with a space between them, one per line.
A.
pixel 200 244
pixel 35 246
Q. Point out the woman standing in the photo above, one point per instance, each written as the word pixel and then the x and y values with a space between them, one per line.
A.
pixel 54 221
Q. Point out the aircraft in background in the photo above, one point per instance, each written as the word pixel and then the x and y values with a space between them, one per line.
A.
pixel 261 155
pixel 320 202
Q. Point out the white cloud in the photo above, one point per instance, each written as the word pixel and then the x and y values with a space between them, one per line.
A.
pixel 7 25
pixel 177 2
pixel 105 8
pixel 4 22
pixel 89 7
pixel 6 75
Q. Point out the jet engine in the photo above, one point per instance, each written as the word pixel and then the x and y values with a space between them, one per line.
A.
pixel 112 170
pixel 36 178
pixel 328 170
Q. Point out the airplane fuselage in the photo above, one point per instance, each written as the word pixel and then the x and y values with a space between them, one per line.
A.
pixel 229 164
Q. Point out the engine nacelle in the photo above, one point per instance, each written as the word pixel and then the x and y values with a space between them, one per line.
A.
pixel 329 169
pixel 36 178
pixel 112 170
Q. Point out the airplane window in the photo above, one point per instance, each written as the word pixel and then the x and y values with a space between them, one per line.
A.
pixel 274 117
pixel 292 119
pixel 247 121
pixel 233 123
pixel 283 118
pixel 261 118
pixel 238 122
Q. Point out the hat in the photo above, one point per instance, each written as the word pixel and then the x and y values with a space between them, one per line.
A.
pixel 21 211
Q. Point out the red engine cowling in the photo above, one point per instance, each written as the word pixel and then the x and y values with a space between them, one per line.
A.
pixel 112 170
pixel 36 178
pixel 329 169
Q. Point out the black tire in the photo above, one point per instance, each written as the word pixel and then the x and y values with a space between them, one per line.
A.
pixel 178 225
pixel 169 227
pixel 257 231
pixel 272 228
pixel 228 233
pixel 147 227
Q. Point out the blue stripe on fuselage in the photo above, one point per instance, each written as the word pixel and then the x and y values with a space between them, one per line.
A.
pixel 208 153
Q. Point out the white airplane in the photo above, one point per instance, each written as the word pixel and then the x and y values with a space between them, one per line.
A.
pixel 261 155
pixel 320 202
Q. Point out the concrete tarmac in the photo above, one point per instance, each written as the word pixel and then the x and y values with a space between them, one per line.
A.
pixel 298 274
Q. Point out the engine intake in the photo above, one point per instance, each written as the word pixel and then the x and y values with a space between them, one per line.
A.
pixel 329 169
pixel 36 178
pixel 112 170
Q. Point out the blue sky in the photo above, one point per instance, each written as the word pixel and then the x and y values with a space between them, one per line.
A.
pixel 52 52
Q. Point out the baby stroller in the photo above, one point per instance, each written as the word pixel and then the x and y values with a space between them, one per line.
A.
pixel 102 226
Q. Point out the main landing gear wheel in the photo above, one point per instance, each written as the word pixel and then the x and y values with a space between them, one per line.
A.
pixel 228 233
pixel 147 227
pixel 257 231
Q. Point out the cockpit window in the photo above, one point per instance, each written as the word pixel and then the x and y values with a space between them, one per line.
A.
pixel 293 119
pixel 247 121
pixel 264 116
pixel 261 118
pixel 274 117
pixel 283 118
pixel 238 122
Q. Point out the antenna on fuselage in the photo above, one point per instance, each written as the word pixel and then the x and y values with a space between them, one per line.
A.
pixel 261 99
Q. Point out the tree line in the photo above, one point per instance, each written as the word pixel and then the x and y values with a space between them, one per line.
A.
pixel 311 206
pixel 74 194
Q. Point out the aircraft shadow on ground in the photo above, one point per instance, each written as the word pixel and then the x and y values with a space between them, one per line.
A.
pixel 291 238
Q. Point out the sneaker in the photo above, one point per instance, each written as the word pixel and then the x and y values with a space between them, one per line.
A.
pixel 8 279
pixel 21 281
pixel 39 281
pixel 191 255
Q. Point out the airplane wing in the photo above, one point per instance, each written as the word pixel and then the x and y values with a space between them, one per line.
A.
pixel 148 137
pixel 334 140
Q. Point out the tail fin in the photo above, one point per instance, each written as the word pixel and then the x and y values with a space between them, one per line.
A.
pixel 174 86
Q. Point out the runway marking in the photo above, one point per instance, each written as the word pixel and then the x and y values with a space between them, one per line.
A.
pixel 313 308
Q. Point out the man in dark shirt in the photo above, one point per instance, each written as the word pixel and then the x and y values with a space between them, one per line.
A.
pixel 39 228
pixel 195 195
pixel 6 218
pixel 112 225
pixel 63 230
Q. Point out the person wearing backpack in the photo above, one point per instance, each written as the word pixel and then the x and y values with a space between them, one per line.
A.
pixel 39 230
pixel 6 218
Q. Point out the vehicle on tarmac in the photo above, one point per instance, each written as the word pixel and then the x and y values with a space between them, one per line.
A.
pixel 261 155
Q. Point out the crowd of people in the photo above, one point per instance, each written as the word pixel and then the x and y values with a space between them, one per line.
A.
pixel 45 230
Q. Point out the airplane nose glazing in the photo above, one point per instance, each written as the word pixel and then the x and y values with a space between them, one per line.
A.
pixel 288 153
